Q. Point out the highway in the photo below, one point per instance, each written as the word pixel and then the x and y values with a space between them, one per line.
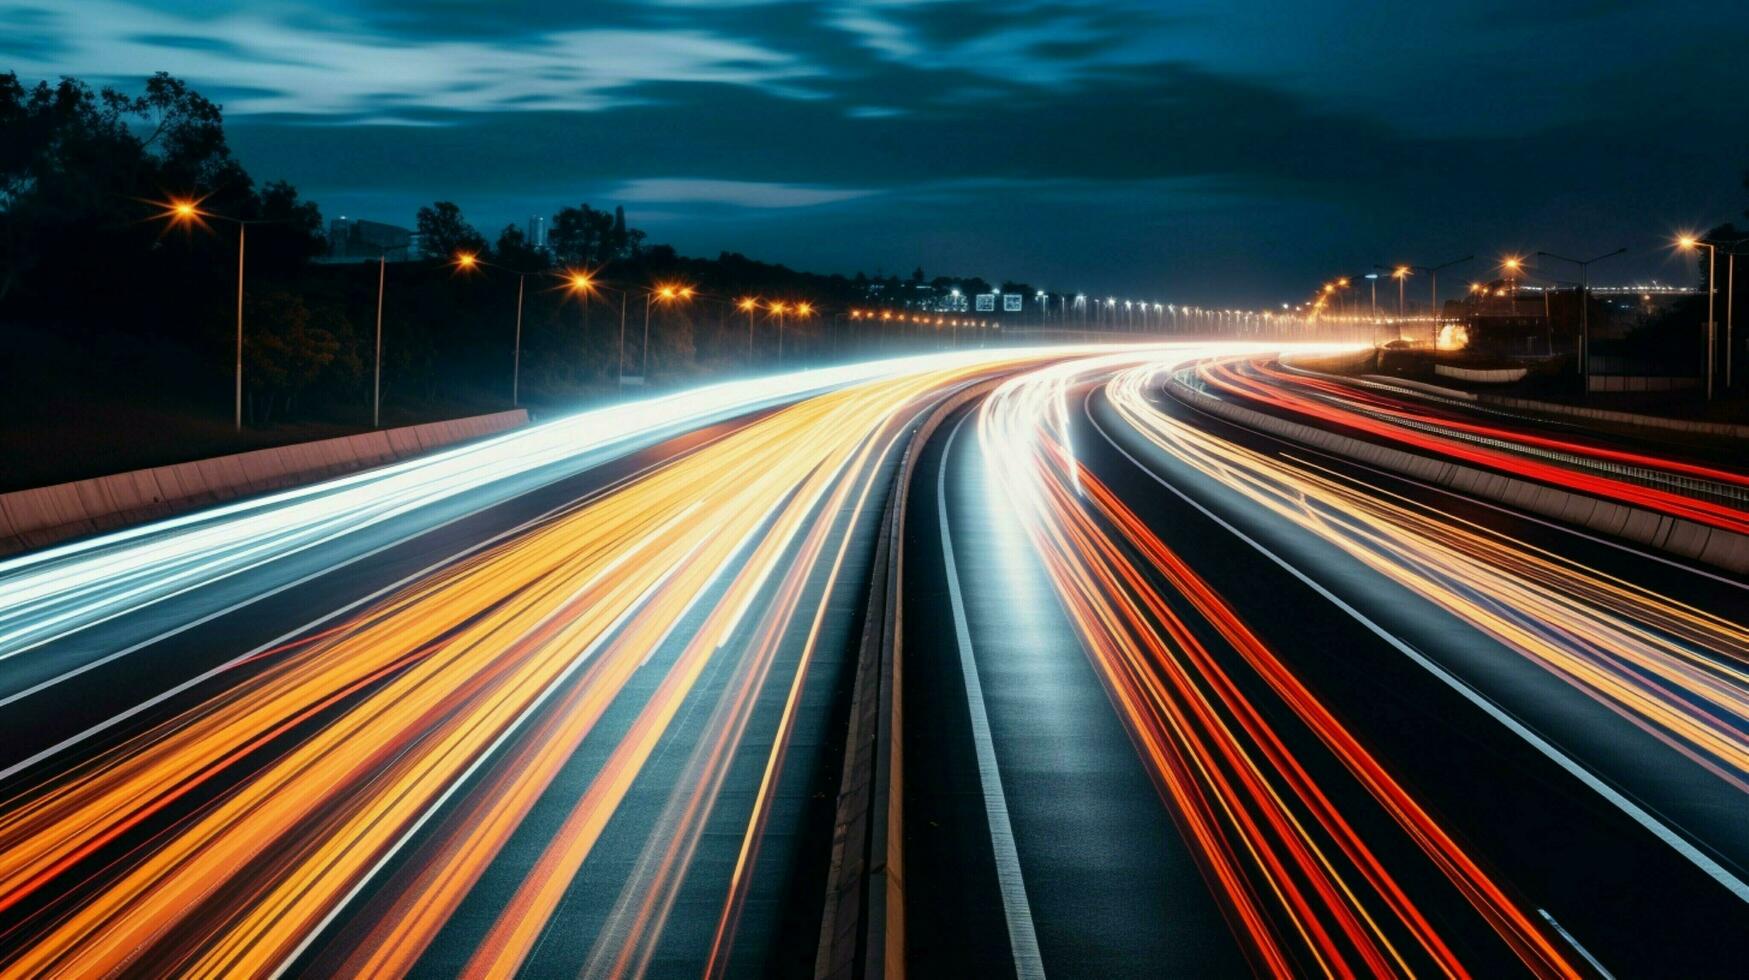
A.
pixel 1178 697
pixel 1390 730
pixel 429 719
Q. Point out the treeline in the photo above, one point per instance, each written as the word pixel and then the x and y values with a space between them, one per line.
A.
pixel 101 297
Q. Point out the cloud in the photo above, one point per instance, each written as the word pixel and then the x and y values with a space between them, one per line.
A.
pixel 740 193
pixel 317 69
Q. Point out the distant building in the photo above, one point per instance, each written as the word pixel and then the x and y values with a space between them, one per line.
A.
pixel 357 240
pixel 537 232
pixel 1503 318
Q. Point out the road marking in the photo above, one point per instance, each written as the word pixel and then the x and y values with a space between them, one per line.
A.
pixel 1639 814
pixel 1575 944
pixel 1022 939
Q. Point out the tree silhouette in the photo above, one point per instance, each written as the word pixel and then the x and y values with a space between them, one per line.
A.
pixel 514 251
pixel 443 232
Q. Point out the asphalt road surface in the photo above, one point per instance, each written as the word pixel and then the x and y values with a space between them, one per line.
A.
pixel 1179 698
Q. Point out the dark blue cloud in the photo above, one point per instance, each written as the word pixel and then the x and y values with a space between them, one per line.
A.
pixel 1233 148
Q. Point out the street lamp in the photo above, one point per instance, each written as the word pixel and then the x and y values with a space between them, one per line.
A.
pixel 749 305
pixel 1512 265
pixel 470 262
pixel 187 212
pixel 667 293
pixel 1433 275
pixel 1585 306
pixel 1689 243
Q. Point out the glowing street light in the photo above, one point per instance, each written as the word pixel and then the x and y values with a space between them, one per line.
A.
pixel 469 262
pixel 1690 243
pixel 187 212
pixel 748 305
pixel 667 293
pixel 1401 274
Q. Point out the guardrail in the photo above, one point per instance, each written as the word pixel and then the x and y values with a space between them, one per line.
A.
pixel 1678 536
pixel 1633 419
pixel 45 515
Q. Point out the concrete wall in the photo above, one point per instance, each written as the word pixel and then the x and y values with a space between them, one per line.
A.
pixel 45 515
pixel 1675 535
pixel 1635 419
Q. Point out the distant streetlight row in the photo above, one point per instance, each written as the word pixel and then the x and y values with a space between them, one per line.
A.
pixel 1513 266
pixel 188 212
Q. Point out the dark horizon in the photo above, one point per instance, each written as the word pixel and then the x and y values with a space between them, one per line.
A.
pixel 1125 148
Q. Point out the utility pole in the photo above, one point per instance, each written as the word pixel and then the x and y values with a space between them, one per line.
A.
pixel 516 355
pixel 376 388
pixel 1585 307
pixel 622 342
pixel 242 233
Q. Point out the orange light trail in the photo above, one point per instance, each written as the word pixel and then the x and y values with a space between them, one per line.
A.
pixel 226 839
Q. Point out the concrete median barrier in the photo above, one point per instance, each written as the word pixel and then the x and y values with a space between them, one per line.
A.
pixel 44 515
pixel 1677 536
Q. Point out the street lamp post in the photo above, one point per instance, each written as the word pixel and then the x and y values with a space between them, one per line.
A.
pixel 1691 243
pixel 376 385
pixel 516 345
pixel 749 305
pixel 187 211
pixel 668 294
pixel 778 310
pixel 1585 307
pixel 1433 276
pixel 467 262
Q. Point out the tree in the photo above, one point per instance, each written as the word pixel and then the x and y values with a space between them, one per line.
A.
pixel 443 232
pixel 514 251
pixel 582 236
pixel 295 233
pixel 71 159
pixel 289 348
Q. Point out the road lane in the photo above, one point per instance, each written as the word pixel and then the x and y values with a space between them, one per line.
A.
pixel 1475 848
pixel 648 676
pixel 1112 889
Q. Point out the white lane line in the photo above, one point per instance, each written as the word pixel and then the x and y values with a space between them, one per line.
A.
pixel 1022 939
pixel 1637 813
pixel 1575 944
pixel 286 637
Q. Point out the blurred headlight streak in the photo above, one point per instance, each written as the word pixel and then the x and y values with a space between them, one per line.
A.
pixel 50 594
pixel 229 838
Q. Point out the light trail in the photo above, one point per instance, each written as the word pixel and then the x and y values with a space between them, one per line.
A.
pixel 410 741
pixel 1418 432
pixel 1302 889
pixel 51 595
pixel 1675 671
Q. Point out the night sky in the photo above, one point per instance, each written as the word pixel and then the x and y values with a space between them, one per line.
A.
pixel 1199 152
